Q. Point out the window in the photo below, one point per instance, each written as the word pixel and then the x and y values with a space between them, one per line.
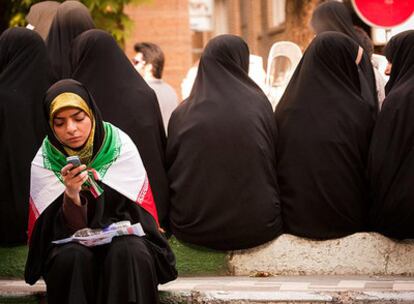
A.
pixel 221 19
pixel 276 14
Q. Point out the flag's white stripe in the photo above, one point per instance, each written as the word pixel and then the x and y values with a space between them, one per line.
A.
pixel 45 187
pixel 126 175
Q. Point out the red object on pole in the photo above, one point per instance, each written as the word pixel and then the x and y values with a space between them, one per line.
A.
pixel 384 13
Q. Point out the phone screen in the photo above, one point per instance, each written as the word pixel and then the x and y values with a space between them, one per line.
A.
pixel 74 160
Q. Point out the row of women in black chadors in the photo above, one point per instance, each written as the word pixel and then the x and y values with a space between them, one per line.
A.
pixel 324 166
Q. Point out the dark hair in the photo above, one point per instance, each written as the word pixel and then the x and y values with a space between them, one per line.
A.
pixel 153 54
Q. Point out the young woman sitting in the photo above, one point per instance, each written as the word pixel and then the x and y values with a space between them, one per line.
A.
pixel 109 186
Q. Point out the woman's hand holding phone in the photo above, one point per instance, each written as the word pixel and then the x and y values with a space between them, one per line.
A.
pixel 73 178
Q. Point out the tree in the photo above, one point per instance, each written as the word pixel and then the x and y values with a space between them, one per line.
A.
pixel 107 14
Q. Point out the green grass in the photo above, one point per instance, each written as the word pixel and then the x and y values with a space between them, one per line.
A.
pixel 12 261
pixel 198 261
pixel 191 261
pixel 19 300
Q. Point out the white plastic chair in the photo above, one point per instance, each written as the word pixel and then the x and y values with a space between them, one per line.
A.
pixel 284 56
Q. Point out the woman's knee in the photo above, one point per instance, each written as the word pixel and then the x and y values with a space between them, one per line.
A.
pixel 72 254
pixel 129 247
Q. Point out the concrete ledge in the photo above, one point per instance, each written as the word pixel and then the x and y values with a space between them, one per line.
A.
pixel 212 297
pixel 326 289
pixel 357 254
pixel 243 290
pixel 19 289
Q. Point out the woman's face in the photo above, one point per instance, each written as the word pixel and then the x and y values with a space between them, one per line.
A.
pixel 72 127
pixel 359 55
pixel 387 70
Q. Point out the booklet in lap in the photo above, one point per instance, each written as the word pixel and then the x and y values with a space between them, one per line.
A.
pixel 95 237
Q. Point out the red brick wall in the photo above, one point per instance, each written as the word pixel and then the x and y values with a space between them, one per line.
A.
pixel 164 22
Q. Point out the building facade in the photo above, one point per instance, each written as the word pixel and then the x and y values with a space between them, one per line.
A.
pixel 259 22
pixel 175 26
pixel 166 23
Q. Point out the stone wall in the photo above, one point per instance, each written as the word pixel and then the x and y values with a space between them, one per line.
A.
pixel 357 254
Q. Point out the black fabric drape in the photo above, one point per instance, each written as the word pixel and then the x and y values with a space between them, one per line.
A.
pixel 149 259
pixel 112 284
pixel 396 52
pixel 324 133
pixel 125 100
pixel 334 16
pixel 41 16
pixel 23 82
pixel 71 19
pixel 391 161
pixel 221 155
pixel 94 274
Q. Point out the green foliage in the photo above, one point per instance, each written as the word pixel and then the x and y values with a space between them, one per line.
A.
pixel 107 14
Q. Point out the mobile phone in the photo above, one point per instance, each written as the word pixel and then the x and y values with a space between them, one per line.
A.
pixel 74 160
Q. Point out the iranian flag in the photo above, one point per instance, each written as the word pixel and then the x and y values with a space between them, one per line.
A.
pixel 117 165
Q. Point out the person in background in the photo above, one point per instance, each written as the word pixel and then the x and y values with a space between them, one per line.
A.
pixel 334 16
pixel 24 69
pixel 324 128
pixel 126 100
pixel 221 155
pixel 108 187
pixel 149 62
pixel 188 81
pixel 369 48
pixel 391 158
pixel 40 17
pixel 256 71
pixel 72 18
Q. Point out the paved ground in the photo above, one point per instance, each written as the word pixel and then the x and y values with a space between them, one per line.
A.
pixel 309 289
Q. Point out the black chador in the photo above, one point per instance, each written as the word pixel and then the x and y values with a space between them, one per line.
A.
pixel 334 16
pixel 221 155
pixel 71 19
pixel 324 132
pixel 125 100
pixel 23 83
pixel 391 161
